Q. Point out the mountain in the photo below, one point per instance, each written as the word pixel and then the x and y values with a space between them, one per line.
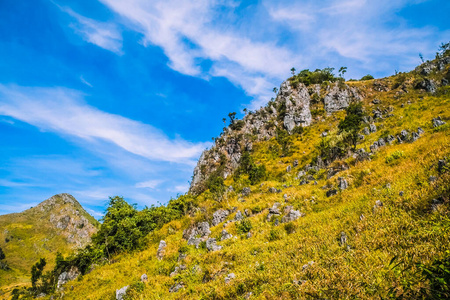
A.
pixel 334 190
pixel 58 224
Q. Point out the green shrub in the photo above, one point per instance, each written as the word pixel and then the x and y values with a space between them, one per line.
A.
pixel 243 226
pixel 352 123
pixel 290 227
pixel 256 209
pixel 275 234
pixel 248 167
pixel 394 156
pixel 367 77
pixel 318 76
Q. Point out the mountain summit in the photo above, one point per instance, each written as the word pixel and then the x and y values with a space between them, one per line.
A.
pixel 58 224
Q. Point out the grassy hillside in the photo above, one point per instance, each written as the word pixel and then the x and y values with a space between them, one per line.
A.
pixel 379 235
pixel 58 224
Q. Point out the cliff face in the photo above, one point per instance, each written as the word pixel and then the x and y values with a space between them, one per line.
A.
pixel 291 109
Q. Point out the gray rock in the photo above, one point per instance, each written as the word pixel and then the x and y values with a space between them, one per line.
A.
pixel 182 256
pixel 378 205
pixel 295 164
pixel 288 168
pixel 390 139
pixel 435 204
pixel 211 245
pixel 376 101
pixel 245 192
pixel 343 239
pixel 381 143
pixel 301 173
pixel 192 241
pixel 374 147
pixel 438 122
pixel 399 139
pixel 401 193
pixel 292 216
pixel 238 216
pixel 432 179
pixel 324 134
pixel 273 190
pixel 342 183
pixel 415 136
pixel 248 295
pixel 230 188
pixel 442 165
pixel 373 128
pixel 404 135
pixel 427 85
pixel 297 102
pixel 361 217
pixel 331 192
pixel 420 131
pixel 229 277
pixel 161 250
pixel 144 278
pixel 225 235
pixel 366 131
pixel 176 287
pixel 377 114
pixel 177 270
pixel 249 235
pixel 338 99
pixel 67 276
pixel 200 229
pixel 307 266
pixel 273 211
pixel 219 216
pixel 120 294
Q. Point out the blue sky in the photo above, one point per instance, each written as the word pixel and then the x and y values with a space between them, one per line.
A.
pixel 112 97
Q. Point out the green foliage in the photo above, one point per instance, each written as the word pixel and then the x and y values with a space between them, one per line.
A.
pixel 248 167
pixel 438 276
pixel 394 156
pixel 399 79
pixel 316 77
pixel 275 234
pixel 237 125
pixel 216 185
pixel 352 123
pixel 290 227
pixel 36 272
pixel 2 254
pixel 285 141
pixel 243 226
pixel 367 77
pixel 444 50
pixel 256 209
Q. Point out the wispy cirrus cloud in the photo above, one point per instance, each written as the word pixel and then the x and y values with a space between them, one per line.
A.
pixel 190 35
pixel 64 111
pixel 103 34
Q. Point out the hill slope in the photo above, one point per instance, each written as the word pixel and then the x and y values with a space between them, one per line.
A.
pixel 333 191
pixel 58 224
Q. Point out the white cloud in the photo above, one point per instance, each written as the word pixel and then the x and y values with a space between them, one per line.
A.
pixel 183 188
pixel 189 33
pixel 85 81
pixel 150 184
pixel 104 35
pixel 64 111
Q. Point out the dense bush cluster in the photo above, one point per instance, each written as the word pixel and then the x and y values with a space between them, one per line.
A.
pixel 248 167
pixel 318 76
